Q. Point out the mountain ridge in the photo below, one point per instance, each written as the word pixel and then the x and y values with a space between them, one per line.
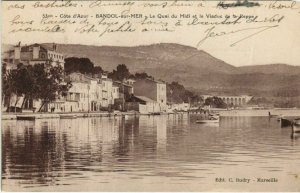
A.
pixel 193 68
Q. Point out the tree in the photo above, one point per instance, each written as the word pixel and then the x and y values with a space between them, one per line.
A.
pixel 16 81
pixel 40 81
pixel 259 101
pixel 7 84
pixel 4 81
pixel 215 102
pixel 25 84
pixel 97 70
pixel 142 75
pixel 177 93
pixel 120 73
pixel 50 82
pixel 82 65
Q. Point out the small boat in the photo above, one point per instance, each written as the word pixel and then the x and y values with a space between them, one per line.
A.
pixel 295 136
pixel 285 122
pixel 68 116
pixel 207 121
pixel 25 117
pixel 211 119
pixel 296 126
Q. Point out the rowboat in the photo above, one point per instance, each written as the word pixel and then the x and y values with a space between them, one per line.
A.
pixel 211 119
pixel 285 122
pixel 296 126
pixel 68 116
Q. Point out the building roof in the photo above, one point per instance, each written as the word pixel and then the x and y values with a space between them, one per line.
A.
pixel 27 48
pixel 79 77
pixel 157 81
pixel 120 83
pixel 151 80
pixel 146 99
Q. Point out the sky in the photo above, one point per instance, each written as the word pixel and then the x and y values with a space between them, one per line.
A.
pixel 280 44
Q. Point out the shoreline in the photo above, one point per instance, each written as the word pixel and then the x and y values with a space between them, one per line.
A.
pixel 13 116
pixel 222 112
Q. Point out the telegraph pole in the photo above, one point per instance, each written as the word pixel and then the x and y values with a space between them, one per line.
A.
pixel 88 98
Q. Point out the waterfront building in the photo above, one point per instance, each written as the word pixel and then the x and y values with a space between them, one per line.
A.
pixel 115 92
pixel 107 92
pixel 87 94
pixel 125 91
pixel 152 89
pixel 82 96
pixel 143 105
pixel 180 107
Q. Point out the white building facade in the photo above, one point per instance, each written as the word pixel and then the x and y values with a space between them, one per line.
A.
pixel 87 94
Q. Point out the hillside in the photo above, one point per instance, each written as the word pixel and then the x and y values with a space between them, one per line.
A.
pixel 271 69
pixel 193 68
pixel 148 57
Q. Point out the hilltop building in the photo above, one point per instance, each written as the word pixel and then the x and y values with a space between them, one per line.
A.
pixel 30 55
pixel 33 54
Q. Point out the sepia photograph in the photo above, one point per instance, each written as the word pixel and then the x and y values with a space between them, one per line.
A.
pixel 155 96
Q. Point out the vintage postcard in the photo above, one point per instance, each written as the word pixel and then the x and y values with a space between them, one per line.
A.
pixel 168 96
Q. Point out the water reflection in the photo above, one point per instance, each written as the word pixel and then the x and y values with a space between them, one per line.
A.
pixel 158 150
pixel 295 136
pixel 161 133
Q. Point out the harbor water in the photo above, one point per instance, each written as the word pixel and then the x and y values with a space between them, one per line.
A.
pixel 149 153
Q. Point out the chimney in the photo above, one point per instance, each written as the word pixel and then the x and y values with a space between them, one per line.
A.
pixel 36 51
pixel 17 52
pixel 54 47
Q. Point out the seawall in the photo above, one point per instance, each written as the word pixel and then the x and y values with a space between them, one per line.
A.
pixel 261 112
pixel 12 116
